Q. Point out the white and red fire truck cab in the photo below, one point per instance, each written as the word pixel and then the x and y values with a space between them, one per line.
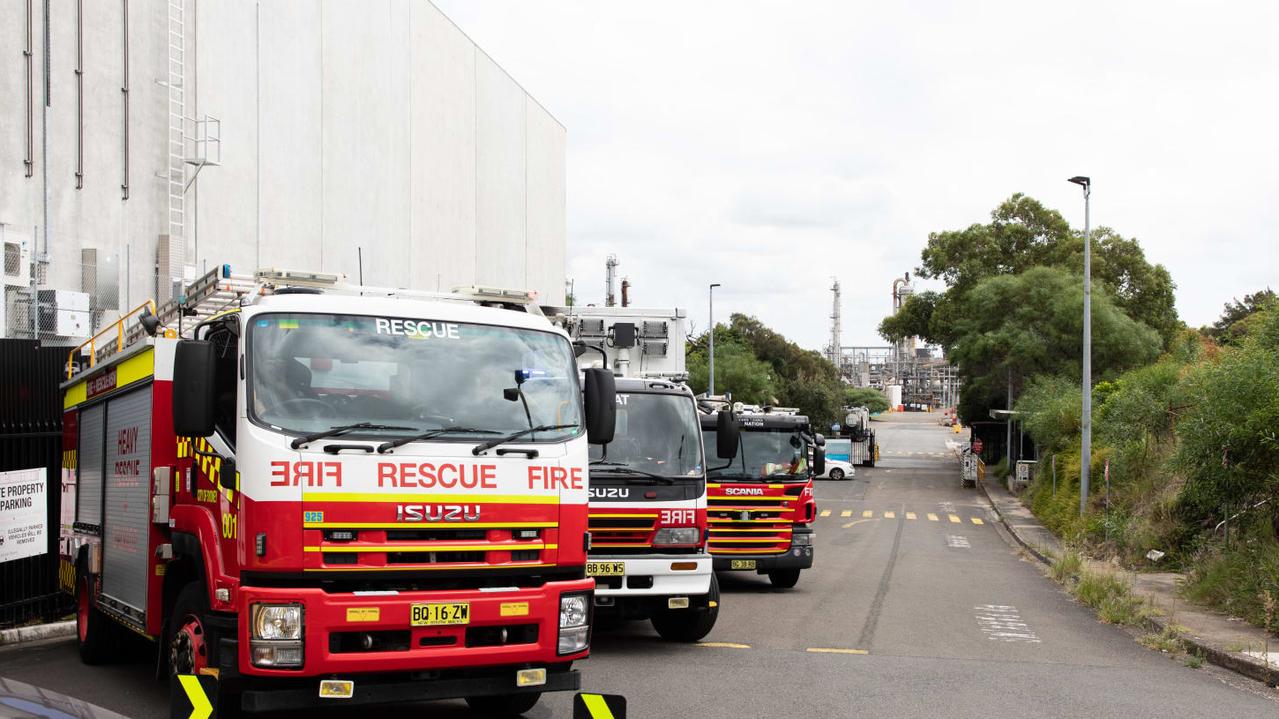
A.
pixel 333 495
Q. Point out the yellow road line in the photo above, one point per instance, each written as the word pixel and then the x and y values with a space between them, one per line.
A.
pixel 834 650
pixel 932 517
pixel 890 515
pixel 846 513
pixel 868 514
pixel 722 645
pixel 977 521
pixel 858 521
pixel 825 513
pixel 954 519
pixel 911 515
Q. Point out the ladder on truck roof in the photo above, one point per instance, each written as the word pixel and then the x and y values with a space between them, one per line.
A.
pixel 214 292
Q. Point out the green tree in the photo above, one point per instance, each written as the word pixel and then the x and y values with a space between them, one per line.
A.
pixel 1030 324
pixel 1237 317
pixel 1023 234
pixel 867 397
pixel 804 378
pixel 737 371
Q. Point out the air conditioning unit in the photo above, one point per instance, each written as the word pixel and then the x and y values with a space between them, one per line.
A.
pixel 17 265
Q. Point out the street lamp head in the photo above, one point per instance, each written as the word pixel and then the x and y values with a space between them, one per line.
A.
pixel 1082 181
pixel 714 285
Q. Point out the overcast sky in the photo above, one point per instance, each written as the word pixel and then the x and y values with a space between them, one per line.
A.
pixel 770 146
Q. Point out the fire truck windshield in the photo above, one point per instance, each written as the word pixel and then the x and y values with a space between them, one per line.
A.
pixel 311 372
pixel 655 434
pixel 777 454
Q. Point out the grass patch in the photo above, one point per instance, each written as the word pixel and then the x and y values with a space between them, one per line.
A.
pixel 1194 661
pixel 1111 596
pixel 1169 640
pixel 1242 580
pixel 1066 566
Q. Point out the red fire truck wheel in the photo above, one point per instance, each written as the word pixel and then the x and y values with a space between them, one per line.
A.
pixel 91 626
pixel 188 647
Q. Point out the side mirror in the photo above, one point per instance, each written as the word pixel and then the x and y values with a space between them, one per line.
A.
pixel 600 398
pixel 726 435
pixel 226 475
pixel 820 439
pixel 819 461
pixel 193 390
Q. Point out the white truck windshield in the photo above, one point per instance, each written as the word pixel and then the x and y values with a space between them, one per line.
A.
pixel 312 372
pixel 776 454
pixel 655 433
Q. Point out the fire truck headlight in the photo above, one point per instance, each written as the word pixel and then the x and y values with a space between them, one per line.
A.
pixel 277 621
pixel 575 627
pixel 802 540
pixel 677 535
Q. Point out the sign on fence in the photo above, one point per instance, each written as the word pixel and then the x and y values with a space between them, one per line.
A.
pixel 23 512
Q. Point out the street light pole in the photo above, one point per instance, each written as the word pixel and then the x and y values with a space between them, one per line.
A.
pixel 710 382
pixel 1085 449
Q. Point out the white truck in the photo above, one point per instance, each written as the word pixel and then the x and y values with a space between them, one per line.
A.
pixel 648 486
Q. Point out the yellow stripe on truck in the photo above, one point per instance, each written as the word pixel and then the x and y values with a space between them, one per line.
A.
pixel 340 497
pixel 134 369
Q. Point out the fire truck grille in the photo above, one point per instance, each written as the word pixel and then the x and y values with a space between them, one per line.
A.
pixel 615 532
pixel 748 525
pixel 435 548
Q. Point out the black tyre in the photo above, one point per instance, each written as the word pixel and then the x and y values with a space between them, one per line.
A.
pixel 503 705
pixel 784 578
pixel 189 645
pixel 836 474
pixel 94 631
pixel 689 625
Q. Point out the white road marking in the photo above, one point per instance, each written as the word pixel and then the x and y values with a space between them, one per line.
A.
pixel 1002 622
pixel 955 541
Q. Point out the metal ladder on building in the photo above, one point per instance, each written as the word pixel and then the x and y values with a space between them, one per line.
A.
pixel 177 122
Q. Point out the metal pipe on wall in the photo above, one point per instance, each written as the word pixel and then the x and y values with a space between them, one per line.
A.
pixel 79 94
pixel 124 90
pixel 29 56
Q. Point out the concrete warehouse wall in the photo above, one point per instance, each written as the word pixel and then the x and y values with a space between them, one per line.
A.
pixel 344 124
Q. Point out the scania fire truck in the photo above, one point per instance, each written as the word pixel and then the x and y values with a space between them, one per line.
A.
pixel 323 494
pixel 760 501
pixel 648 486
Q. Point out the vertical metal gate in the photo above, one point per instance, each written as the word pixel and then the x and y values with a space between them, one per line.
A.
pixel 31 436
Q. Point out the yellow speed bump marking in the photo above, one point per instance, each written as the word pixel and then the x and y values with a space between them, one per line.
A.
pixel 977 521
pixel 722 645
pixel 867 514
pixel 825 513
pixel 954 519
pixel 932 517
pixel 911 515
pixel 890 515
pixel 834 650
pixel 846 513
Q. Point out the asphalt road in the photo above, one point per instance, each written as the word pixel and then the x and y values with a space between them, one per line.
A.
pixel 916 606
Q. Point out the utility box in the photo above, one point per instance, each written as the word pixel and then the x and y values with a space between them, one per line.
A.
pixel 64 313
pixel 637 342
pixel 1022 476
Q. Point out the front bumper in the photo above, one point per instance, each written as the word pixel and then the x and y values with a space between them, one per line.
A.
pixel 297 695
pixel 650 575
pixel 797 557
pixel 512 627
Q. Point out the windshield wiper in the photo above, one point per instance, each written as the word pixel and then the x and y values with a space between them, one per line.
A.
pixel 298 442
pixel 490 444
pixel 620 468
pixel 428 434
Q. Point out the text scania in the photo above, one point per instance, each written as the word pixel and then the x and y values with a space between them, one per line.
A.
pixel 417 328
pixel 743 491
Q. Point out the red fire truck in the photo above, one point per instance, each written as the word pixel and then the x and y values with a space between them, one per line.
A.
pixel 648 486
pixel 328 495
pixel 760 502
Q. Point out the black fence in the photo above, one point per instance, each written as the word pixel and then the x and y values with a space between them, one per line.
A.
pixel 31 437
